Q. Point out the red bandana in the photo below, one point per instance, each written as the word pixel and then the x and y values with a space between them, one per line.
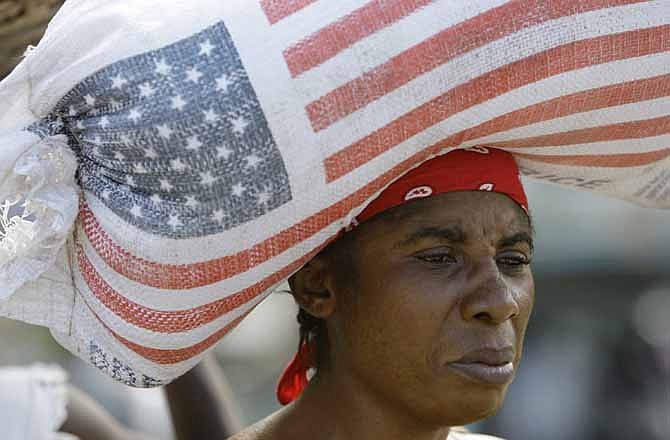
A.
pixel 478 168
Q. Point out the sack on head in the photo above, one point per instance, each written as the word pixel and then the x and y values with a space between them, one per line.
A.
pixel 208 149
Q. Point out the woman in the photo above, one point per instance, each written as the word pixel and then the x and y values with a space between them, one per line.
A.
pixel 414 319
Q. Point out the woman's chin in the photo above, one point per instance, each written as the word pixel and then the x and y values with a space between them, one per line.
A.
pixel 472 405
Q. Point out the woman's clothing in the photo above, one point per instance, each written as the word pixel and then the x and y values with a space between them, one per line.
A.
pixel 461 435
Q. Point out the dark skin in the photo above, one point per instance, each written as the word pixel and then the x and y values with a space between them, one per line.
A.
pixel 408 293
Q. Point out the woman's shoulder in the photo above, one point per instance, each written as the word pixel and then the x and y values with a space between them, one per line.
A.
pixel 259 431
pixel 468 436
pixel 265 429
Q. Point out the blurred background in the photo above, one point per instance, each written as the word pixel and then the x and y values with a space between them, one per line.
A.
pixel 597 355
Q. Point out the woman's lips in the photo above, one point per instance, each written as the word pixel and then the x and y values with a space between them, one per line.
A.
pixel 485 373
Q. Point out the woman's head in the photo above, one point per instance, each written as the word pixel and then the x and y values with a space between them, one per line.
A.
pixel 427 284
pixel 417 303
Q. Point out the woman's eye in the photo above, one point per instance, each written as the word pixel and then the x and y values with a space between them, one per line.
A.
pixel 515 259
pixel 438 258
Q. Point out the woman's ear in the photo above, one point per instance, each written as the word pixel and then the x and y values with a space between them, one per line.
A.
pixel 312 288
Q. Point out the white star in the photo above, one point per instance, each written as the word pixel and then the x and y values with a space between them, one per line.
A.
pixel 119 156
pixel 146 90
pixel 218 215
pixel 156 199
pixel 178 103
pixel 118 82
pixel 150 153
pixel 238 189
pixel 80 125
pixel 104 122
pixel 224 152
pixel 206 48
pixel 136 211
pixel 177 165
pixel 193 143
pixel 223 83
pixel 90 101
pixel 166 185
pixel 135 115
pixel 253 161
pixel 264 197
pixel 211 115
pixel 206 178
pixel 193 75
pixel 139 168
pixel 191 201
pixel 174 221
pixel 239 125
pixel 165 131
pixel 106 193
pixel 163 68
pixel 130 180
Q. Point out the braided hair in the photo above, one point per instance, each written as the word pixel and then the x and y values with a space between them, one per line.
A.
pixel 313 329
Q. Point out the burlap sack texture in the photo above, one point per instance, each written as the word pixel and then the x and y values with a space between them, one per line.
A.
pixel 22 23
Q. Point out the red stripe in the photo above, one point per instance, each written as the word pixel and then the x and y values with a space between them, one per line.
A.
pixel 336 37
pixel 580 102
pixel 277 10
pixel 438 50
pixel 623 130
pixel 572 56
pixel 173 356
pixel 189 276
pixel 601 160
pixel 163 356
pixel 174 277
pixel 172 321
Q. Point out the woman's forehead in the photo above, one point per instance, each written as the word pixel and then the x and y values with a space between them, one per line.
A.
pixel 457 216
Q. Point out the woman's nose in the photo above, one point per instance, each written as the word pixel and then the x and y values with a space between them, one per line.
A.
pixel 490 298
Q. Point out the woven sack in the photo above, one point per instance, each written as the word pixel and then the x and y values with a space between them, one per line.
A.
pixel 164 165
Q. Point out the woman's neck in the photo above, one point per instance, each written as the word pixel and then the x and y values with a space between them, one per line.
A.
pixel 343 408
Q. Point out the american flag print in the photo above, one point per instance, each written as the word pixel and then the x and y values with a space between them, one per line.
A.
pixel 176 134
pixel 221 158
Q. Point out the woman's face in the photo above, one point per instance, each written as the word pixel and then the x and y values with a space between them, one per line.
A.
pixel 434 321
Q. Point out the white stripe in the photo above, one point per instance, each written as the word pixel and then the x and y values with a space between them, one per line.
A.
pixel 626 182
pixel 616 174
pixel 643 145
pixel 309 20
pixel 389 42
pixel 153 339
pixel 87 329
pixel 500 53
pixel 164 299
pixel 637 111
